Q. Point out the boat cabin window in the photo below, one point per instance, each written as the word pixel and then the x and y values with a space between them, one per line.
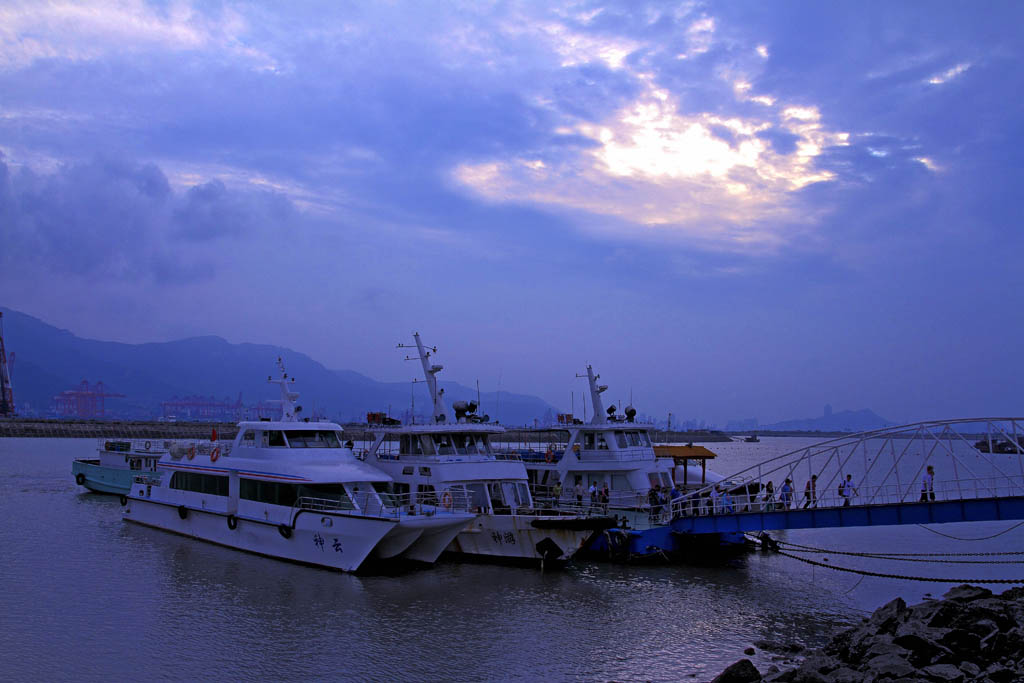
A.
pixel 248 439
pixel 327 493
pixel 135 463
pixel 638 439
pixel 212 484
pixel 267 492
pixel 620 482
pixel 496 494
pixel 274 439
pixel 408 469
pixel 620 439
pixel 411 444
pixel 312 438
pixel 588 441
pixel 478 499
pixel 387 494
pixel 424 471
pixel 517 494
pixel 602 445
pixel 443 444
pixel 426 494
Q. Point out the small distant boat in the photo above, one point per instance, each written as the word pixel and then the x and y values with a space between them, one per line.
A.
pixel 1000 446
pixel 752 439
pixel 117 464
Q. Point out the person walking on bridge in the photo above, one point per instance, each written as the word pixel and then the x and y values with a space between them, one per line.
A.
pixel 928 485
pixel 811 492
pixel 846 490
pixel 786 494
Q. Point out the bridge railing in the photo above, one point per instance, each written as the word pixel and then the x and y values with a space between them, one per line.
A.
pixel 886 494
pixel 954 459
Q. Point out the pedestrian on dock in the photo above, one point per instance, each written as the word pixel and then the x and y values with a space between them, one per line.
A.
pixel 769 496
pixel 556 491
pixel 928 485
pixel 727 506
pixel 786 494
pixel 811 492
pixel 578 489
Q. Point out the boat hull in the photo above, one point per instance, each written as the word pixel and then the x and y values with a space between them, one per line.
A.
pixel 101 479
pixel 515 538
pixel 334 541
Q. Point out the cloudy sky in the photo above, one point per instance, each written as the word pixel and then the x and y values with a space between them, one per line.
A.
pixel 730 209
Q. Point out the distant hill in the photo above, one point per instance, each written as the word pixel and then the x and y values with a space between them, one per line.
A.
pixel 843 421
pixel 50 360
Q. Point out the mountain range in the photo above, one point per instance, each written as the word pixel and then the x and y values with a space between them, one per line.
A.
pixel 843 421
pixel 49 361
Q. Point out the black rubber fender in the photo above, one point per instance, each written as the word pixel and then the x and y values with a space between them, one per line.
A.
pixel 285 530
pixel 182 511
pixel 80 479
pixel 232 522
pixel 124 500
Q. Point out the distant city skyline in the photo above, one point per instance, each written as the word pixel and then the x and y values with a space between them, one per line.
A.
pixel 730 210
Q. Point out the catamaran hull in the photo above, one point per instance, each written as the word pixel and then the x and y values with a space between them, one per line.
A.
pixel 513 538
pixel 438 533
pixel 333 541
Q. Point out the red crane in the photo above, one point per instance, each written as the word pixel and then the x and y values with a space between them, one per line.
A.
pixel 6 392
pixel 85 402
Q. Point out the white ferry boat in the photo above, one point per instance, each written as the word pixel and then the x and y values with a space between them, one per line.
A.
pixel 451 459
pixel 118 462
pixel 289 489
pixel 610 464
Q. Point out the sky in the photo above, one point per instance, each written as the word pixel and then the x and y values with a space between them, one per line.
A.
pixel 729 209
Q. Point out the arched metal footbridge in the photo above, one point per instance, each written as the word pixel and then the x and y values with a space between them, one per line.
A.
pixel 965 470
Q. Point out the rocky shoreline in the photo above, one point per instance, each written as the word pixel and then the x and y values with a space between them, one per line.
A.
pixel 970 635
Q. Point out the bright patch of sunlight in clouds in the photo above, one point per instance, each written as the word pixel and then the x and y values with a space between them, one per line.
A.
pixel 671 175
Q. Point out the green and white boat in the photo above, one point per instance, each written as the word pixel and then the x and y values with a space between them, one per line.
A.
pixel 118 462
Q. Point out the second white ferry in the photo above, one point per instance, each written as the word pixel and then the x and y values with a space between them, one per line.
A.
pixel 449 460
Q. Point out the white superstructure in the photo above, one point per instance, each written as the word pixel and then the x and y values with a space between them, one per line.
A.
pixel 291 489
pixel 581 460
pixel 454 458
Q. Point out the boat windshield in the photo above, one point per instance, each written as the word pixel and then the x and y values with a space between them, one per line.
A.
pixel 387 495
pixel 327 493
pixel 312 438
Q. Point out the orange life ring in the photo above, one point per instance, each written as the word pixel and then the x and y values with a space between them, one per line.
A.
pixel 550 455
pixel 214 454
pixel 191 451
pixel 447 500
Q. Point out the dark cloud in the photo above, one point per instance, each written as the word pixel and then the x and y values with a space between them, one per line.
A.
pixel 113 220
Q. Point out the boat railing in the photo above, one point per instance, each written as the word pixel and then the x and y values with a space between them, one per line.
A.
pixel 388 505
pixel 147 479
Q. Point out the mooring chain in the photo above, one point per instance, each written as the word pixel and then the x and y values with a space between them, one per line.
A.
pixel 882 575
pixel 796 547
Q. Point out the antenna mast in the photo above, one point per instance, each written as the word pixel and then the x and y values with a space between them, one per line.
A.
pixel 430 371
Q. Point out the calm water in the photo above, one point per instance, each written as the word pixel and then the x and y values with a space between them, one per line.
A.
pixel 87 596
